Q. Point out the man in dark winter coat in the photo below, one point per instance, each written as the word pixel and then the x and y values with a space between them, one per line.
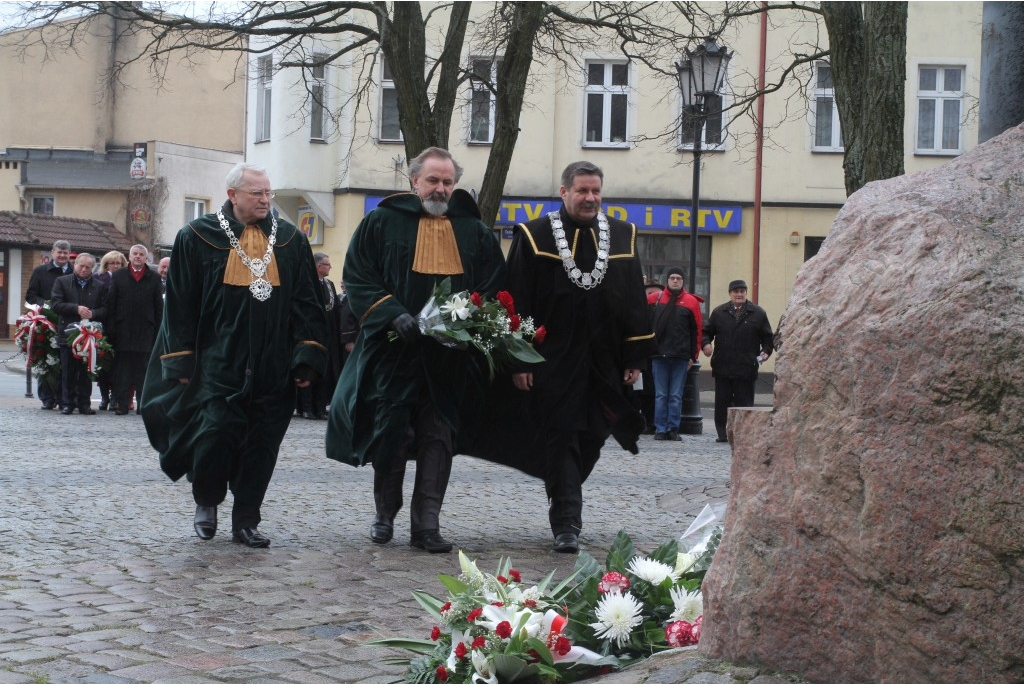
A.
pixel 676 320
pixel 75 297
pixel 742 338
pixel 135 306
pixel 39 291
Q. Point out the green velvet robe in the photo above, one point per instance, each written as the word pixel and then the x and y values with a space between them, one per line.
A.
pixel 241 355
pixel 383 380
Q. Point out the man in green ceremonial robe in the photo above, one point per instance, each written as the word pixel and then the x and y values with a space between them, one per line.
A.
pixel 402 399
pixel 243 325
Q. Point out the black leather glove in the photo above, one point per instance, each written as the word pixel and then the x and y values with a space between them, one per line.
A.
pixel 406 327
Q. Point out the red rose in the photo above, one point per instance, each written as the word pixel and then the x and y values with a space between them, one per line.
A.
pixel 539 335
pixel 476 299
pixel 502 579
pixel 474 615
pixel 479 642
pixel 562 645
pixel 505 298
pixel 513 322
pixel 435 633
pixel 460 650
pixel 516 576
pixel 442 674
pixel 504 630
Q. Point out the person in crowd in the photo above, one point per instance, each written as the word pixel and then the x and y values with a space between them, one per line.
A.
pixel 676 320
pixel 161 269
pixel 742 339
pixel 39 291
pixel 75 297
pixel 645 387
pixel 243 326
pixel 313 400
pixel 348 325
pixel 400 400
pixel 109 263
pixel 577 273
pixel 135 307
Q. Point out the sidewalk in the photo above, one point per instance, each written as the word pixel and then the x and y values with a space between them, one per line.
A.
pixel 102 579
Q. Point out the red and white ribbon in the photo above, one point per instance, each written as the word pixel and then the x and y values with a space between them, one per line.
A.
pixel 85 345
pixel 31 322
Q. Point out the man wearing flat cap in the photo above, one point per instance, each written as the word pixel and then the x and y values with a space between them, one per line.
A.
pixel 742 339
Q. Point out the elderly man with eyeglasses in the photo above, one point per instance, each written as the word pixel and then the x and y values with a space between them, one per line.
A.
pixel 243 326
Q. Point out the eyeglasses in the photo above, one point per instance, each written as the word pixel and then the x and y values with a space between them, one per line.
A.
pixel 259 193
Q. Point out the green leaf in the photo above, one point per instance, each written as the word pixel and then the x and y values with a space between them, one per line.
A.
pixel 621 552
pixel 429 602
pixel 510 668
pixel 523 351
pixel 666 553
pixel 453 585
pixel 409 644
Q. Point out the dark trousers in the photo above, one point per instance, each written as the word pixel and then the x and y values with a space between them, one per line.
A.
pixel 429 439
pixel 730 392
pixel 129 372
pixel 49 395
pixel 76 387
pixel 236 446
pixel 315 397
pixel 572 456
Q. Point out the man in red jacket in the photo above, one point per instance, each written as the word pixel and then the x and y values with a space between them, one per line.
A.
pixel 676 320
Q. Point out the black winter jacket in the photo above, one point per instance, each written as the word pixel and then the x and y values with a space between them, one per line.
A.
pixel 737 341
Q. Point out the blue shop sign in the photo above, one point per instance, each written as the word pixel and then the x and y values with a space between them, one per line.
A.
pixel 647 217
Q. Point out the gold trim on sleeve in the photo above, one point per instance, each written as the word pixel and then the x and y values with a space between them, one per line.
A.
pixel 637 338
pixel 171 355
pixel 373 306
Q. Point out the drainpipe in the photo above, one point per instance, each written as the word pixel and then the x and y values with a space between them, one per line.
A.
pixel 759 154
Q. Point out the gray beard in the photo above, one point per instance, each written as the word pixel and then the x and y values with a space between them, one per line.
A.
pixel 435 207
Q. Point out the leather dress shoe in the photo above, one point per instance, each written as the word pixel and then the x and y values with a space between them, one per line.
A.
pixel 250 537
pixel 48 405
pixel 431 541
pixel 87 411
pixel 382 529
pixel 205 522
pixel 567 542
pixel 722 440
pixel 120 412
pixel 67 411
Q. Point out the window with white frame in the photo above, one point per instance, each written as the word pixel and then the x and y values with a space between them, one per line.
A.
pixel 713 132
pixel 482 105
pixel 940 109
pixel 43 204
pixel 317 98
pixel 194 208
pixel 827 135
pixel 390 127
pixel 264 78
pixel 606 113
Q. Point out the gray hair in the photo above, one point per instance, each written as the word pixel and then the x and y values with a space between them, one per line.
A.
pixel 142 247
pixel 234 178
pixel 84 255
pixel 580 169
pixel 319 257
pixel 416 164
pixel 62 245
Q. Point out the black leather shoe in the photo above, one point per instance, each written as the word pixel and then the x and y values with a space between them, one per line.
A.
pixel 661 436
pixel 48 405
pixel 87 411
pixel 205 522
pixel 568 543
pixel 382 529
pixel 121 412
pixel 722 440
pixel 674 437
pixel 250 537
pixel 67 411
pixel 308 415
pixel 431 541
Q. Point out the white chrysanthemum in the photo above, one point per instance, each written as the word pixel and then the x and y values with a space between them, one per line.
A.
pixel 652 571
pixel 688 605
pixel 617 615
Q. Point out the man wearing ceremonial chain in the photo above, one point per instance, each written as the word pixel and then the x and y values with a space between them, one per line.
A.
pixel 576 272
pixel 243 326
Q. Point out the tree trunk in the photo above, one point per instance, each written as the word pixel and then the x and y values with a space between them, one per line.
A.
pixel 512 77
pixel 867 43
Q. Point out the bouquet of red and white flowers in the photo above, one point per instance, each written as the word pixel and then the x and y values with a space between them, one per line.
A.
pixel 89 345
pixel 36 336
pixel 496 629
pixel 491 326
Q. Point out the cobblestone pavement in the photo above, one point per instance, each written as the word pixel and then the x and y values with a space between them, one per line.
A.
pixel 103 580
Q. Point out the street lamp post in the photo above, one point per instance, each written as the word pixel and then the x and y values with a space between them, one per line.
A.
pixel 701 76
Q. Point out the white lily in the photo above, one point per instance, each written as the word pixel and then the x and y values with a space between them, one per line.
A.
pixel 483 670
pixel 552 627
pixel 469 569
pixel 458 307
